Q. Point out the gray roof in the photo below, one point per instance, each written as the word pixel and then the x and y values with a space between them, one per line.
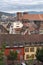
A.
pixel 3 30
pixel 21 40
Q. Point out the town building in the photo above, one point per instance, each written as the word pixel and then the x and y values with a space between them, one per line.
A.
pixel 32 23
pixel 35 19
pixel 24 35
pixel 15 27
pixel 25 45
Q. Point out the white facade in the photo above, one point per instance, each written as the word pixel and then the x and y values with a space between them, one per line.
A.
pixel 17 24
pixel 14 26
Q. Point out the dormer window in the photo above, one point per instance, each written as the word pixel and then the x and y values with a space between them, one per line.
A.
pixel 7 44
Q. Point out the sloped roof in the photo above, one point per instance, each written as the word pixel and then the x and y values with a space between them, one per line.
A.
pixel 3 30
pixel 33 16
pixel 29 16
pixel 9 24
pixel 12 39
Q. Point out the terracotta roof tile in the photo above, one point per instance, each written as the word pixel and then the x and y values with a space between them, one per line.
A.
pixel 30 26
pixel 31 16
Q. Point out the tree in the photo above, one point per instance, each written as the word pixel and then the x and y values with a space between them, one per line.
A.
pixel 39 54
pixel 12 56
pixel 3 47
pixel 30 60
pixel 2 54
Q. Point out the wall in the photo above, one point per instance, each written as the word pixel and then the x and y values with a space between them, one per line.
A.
pixel 18 49
pixel 30 52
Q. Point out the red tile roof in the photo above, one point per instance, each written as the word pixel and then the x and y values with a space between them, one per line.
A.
pixel 33 16
pixel 30 16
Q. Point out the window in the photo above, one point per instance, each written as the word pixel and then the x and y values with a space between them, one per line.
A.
pixel 32 49
pixel 26 49
pixel 6 43
pixel 27 56
pixel 18 51
pixel 32 56
pixel 15 44
pixel 41 31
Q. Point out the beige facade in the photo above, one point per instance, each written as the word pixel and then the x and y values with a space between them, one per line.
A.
pixel 30 52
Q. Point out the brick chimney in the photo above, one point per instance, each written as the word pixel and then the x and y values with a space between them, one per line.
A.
pixel 25 12
pixel 25 15
pixel 19 16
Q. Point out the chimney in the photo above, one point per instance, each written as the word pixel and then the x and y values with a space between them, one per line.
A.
pixel 19 16
pixel 25 13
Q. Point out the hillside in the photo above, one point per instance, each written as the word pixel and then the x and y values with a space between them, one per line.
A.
pixel 7 14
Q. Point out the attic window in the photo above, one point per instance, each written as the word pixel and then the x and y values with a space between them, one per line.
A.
pixel 7 43
pixel 15 43
pixel 41 43
pixel 35 22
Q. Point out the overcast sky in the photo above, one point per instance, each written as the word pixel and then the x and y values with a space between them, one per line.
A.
pixel 12 6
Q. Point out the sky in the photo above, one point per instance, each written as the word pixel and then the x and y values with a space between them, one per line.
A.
pixel 12 6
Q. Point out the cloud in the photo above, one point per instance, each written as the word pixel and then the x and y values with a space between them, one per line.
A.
pixel 21 1
pixel 20 5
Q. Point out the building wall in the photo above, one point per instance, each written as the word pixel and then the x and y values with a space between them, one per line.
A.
pixel 15 27
pixel 20 51
pixel 30 52
pixel 24 53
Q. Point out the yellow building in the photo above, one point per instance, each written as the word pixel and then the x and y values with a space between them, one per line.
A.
pixel 30 52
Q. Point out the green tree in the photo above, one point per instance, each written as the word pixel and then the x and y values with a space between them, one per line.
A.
pixel 39 55
pixel 12 56
pixel 3 47
pixel 2 54
pixel 30 61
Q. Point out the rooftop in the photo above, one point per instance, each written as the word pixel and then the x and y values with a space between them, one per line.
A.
pixel 28 16
pixel 23 40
